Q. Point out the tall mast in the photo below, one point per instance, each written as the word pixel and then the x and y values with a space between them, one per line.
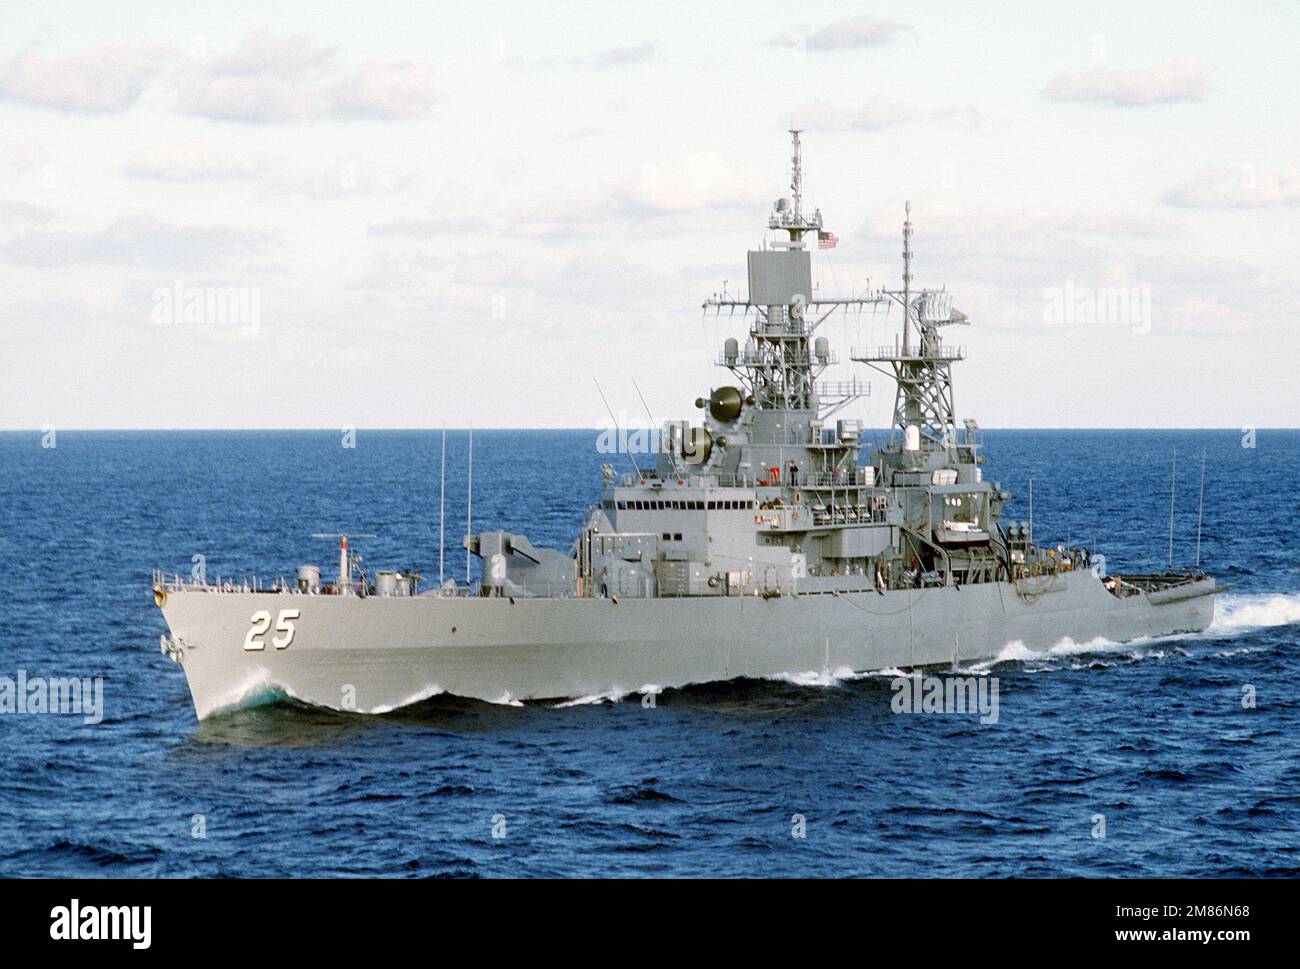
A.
pixel 907 271
pixel 1031 511
pixel 796 175
pixel 1200 511
pixel 1173 479
pixel 924 411
pixel 778 365
pixel 442 505
pixel 469 502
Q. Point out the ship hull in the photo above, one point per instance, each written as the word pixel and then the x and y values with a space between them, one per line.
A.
pixel 372 655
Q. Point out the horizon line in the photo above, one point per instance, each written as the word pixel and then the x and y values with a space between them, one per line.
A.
pixel 335 430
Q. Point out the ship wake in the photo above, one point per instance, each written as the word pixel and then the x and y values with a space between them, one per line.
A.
pixel 1245 612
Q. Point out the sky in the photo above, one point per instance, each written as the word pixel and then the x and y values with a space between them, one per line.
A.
pixel 332 215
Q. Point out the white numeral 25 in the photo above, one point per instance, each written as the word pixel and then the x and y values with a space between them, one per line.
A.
pixel 261 621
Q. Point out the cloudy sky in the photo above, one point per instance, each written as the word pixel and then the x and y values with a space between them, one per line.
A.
pixel 378 215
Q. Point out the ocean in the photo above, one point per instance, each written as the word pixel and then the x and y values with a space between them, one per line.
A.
pixel 1148 758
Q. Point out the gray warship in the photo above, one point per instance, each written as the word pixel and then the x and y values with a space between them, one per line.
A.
pixel 757 542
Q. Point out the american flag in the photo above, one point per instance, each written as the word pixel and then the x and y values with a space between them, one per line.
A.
pixel 826 240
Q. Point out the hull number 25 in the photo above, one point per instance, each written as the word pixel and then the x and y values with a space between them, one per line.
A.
pixel 284 625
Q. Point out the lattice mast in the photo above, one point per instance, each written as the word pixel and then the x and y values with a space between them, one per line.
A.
pixel 782 374
pixel 780 362
pixel 921 370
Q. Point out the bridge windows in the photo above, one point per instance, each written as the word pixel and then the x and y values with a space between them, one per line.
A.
pixel 683 504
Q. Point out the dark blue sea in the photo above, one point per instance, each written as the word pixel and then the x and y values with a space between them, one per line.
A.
pixel 1153 737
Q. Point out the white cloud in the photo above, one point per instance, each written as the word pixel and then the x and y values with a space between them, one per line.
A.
pixel 964 116
pixel 852 33
pixel 104 80
pixel 255 98
pixel 426 228
pixel 347 176
pixel 1238 188
pixel 387 91
pixel 621 56
pixel 696 184
pixel 275 79
pixel 1167 84
pixel 1001 262
pixel 605 59
pixel 274 176
pixel 142 240
pixel 875 115
pixel 266 54
pixel 699 182
pixel 944 221
pixel 193 162
pixel 18 211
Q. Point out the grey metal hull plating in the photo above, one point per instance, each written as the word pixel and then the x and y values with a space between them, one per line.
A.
pixel 371 655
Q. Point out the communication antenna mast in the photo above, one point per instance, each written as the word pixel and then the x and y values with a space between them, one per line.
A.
pixel 796 174
pixel 907 270
pixel 671 455
pixel 1173 478
pixel 1200 511
pixel 442 505
pixel 617 429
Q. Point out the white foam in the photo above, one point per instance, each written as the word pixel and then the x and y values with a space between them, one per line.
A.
pixel 1011 652
pixel 816 678
pixel 1068 647
pixel 255 691
pixel 892 672
pixel 1246 611
pixel 614 695
pixel 806 678
pixel 1239 651
pixel 428 692
pixel 506 700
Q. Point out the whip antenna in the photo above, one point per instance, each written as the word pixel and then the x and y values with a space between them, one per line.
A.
pixel 469 502
pixel 1173 478
pixel 1200 511
pixel 442 505
pixel 618 429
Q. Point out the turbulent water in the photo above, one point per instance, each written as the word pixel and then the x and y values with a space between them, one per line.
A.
pixel 1149 741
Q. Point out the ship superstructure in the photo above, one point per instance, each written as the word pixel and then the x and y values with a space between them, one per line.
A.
pixel 768 495
pixel 758 541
